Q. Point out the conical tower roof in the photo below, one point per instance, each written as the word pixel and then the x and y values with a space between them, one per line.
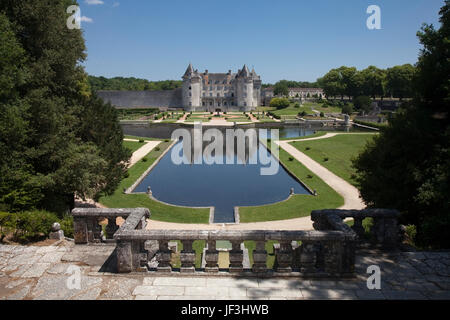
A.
pixel 189 71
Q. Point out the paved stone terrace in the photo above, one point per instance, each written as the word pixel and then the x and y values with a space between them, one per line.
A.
pixel 41 272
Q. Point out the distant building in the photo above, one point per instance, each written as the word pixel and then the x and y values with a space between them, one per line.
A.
pixel 301 93
pixel 221 91
pixel 205 91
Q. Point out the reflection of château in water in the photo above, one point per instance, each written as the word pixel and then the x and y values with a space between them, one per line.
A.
pixel 232 146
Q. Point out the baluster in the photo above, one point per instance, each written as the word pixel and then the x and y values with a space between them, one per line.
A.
pixel 236 256
pixel 284 257
pixel 140 256
pixel 94 230
pixel 358 226
pixel 308 257
pixel 333 253
pixel 111 228
pixel 260 257
pixel 187 257
pixel 211 257
pixel 124 256
pixel 163 257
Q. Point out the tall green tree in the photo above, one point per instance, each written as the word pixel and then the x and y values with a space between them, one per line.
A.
pixel 373 81
pixel 45 98
pixel 399 81
pixel 407 167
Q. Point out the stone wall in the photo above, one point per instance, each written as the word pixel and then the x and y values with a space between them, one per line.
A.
pixel 143 99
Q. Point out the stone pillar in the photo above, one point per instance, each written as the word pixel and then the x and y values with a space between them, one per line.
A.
pixel 260 257
pixel 124 256
pixel 236 257
pixel 163 256
pixel 308 257
pixel 283 257
pixel 211 257
pixel 80 230
pixel 187 257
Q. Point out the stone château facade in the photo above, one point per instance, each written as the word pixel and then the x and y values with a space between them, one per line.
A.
pixel 221 91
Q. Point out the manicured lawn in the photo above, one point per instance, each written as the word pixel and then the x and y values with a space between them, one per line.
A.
pixel 298 205
pixel 292 111
pixel 133 145
pixel 159 211
pixel 339 150
pixel 138 138
pixel 315 135
pixel 318 107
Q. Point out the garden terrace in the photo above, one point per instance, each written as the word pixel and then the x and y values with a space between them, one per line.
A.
pixel 327 252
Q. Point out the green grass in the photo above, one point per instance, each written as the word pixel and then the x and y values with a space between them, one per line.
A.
pixel 298 205
pixel 315 135
pixel 340 150
pixel 292 111
pixel 197 246
pixel 133 145
pixel 159 211
pixel 138 138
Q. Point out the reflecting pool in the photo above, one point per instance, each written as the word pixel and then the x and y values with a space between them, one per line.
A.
pixel 222 186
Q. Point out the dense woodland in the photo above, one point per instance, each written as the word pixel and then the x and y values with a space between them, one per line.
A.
pixel 132 84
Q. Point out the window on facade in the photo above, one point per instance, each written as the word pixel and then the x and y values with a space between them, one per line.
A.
pixel 203 104
pixel 190 103
pixel 225 103
pixel 245 95
pixel 218 94
pixel 245 104
pixel 190 88
pixel 190 94
pixel 210 103
pixel 210 94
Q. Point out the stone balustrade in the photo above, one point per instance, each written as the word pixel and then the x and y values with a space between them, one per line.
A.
pixel 384 229
pixel 87 227
pixel 328 251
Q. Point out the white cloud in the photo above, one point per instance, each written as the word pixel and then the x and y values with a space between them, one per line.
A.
pixel 86 19
pixel 93 2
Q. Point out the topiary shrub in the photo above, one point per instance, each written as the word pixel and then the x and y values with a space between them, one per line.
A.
pixel 144 159
pixel 141 140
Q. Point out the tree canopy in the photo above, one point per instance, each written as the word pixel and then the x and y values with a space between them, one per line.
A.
pixel 132 84
pixel 407 166
pixel 57 140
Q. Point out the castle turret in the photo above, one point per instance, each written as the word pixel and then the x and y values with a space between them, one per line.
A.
pixel 192 88
pixel 244 89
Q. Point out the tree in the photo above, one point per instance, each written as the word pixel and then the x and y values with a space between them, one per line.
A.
pixel 407 166
pixel 279 103
pixel 373 82
pixel 46 111
pixel 331 83
pixel 399 81
pixel 363 103
pixel 281 89
pixel 347 109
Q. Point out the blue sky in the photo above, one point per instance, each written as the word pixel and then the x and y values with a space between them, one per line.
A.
pixel 286 39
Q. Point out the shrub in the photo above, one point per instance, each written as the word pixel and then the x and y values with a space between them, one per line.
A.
pixel 291 159
pixel 362 103
pixel 325 159
pixel 166 140
pixel 279 103
pixel 322 115
pixel 141 140
pixel 309 176
pixel 308 148
pixel 297 105
pixel 347 109
pixel 144 159
pixel 157 148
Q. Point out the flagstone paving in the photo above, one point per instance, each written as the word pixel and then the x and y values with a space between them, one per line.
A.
pixel 46 273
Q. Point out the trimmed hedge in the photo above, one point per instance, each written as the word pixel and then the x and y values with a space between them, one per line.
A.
pixel 371 124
